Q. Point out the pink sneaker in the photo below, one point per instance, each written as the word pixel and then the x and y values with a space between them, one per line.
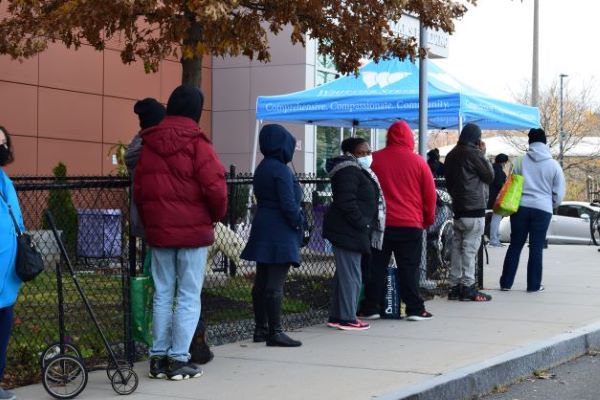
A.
pixel 354 326
pixel 333 324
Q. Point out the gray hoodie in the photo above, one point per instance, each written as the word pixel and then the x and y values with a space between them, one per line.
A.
pixel 544 186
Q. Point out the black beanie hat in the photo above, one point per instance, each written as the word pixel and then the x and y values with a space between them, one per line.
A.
pixel 537 135
pixel 433 154
pixel 501 158
pixel 186 101
pixel 470 133
pixel 149 111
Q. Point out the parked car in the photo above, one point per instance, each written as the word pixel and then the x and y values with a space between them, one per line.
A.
pixel 570 224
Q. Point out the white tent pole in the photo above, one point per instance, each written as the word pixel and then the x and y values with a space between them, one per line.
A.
pixel 255 146
pixel 460 123
pixel 372 137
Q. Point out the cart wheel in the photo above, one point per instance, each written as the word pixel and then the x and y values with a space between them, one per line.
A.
pixel 54 350
pixel 124 380
pixel 112 368
pixel 64 377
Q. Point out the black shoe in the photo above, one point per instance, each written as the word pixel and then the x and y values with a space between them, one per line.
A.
pixel 260 334
pixel 471 293
pixel 180 370
pixel 454 293
pixel 199 350
pixel 282 340
pixel 158 367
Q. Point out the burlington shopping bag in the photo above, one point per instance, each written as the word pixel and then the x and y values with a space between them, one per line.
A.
pixel 391 302
pixel 142 291
pixel 509 198
pixel 29 262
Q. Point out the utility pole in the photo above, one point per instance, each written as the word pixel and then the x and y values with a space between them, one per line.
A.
pixel 561 132
pixel 423 95
pixel 535 91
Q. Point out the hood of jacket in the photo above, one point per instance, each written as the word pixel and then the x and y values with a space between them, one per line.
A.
pixel 400 134
pixel 470 135
pixel 334 165
pixel 538 152
pixel 277 142
pixel 186 101
pixel 171 135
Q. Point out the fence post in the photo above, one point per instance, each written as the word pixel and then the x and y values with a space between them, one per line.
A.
pixel 480 264
pixel 230 213
pixel 129 342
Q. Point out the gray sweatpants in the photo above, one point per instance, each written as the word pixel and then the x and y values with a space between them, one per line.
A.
pixel 346 285
pixel 465 245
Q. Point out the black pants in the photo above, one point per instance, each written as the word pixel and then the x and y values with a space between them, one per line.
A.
pixel 267 295
pixel 6 316
pixel 406 245
pixel 270 278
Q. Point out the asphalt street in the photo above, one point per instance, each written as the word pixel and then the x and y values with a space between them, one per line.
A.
pixel 574 380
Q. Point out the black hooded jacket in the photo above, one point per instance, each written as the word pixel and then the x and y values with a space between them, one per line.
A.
pixel 351 216
pixel 468 174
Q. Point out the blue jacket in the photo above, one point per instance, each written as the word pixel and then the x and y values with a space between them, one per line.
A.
pixel 277 228
pixel 9 281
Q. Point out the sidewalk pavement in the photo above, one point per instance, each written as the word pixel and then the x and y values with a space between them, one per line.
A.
pixel 467 348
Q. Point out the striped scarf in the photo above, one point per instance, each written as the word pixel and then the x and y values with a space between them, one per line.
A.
pixel 379 228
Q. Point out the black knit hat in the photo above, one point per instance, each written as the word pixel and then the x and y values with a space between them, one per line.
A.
pixel 186 101
pixel 433 154
pixel 501 158
pixel 470 133
pixel 537 135
pixel 149 111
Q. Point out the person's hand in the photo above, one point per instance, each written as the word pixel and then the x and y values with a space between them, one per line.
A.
pixel 482 146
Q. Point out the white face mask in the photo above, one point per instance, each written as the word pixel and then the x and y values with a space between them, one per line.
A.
pixel 365 161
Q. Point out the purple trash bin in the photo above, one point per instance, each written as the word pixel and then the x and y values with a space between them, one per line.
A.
pixel 317 243
pixel 99 234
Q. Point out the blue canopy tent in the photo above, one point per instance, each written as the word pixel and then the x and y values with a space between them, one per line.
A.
pixel 387 91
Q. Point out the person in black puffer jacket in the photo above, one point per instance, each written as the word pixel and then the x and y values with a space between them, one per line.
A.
pixel 468 176
pixel 348 225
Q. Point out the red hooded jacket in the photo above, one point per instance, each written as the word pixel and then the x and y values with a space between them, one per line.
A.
pixel 406 180
pixel 179 185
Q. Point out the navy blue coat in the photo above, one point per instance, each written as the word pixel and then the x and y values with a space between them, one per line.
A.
pixel 277 228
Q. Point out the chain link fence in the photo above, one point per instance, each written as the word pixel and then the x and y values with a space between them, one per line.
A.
pixel 92 214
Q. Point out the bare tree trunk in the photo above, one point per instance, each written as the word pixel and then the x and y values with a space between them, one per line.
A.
pixel 192 67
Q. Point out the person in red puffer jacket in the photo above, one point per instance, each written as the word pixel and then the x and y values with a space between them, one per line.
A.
pixel 180 191
pixel 409 193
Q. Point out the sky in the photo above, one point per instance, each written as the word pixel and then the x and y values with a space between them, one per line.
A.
pixel 491 49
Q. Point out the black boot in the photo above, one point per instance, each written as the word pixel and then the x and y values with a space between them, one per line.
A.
pixel 199 350
pixel 261 330
pixel 276 336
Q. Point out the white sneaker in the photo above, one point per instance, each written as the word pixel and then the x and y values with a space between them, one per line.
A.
pixel 6 395
pixel 419 317
pixel 541 289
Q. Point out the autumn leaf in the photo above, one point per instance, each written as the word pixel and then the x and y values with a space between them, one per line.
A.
pixel 151 30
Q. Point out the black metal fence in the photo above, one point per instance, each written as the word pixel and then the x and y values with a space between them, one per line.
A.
pixel 92 213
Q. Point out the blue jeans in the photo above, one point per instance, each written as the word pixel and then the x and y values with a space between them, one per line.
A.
pixel 178 276
pixel 526 222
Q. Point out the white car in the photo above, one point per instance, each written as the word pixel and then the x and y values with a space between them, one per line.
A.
pixel 570 224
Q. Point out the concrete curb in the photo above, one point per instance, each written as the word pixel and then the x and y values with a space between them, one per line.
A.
pixel 481 378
